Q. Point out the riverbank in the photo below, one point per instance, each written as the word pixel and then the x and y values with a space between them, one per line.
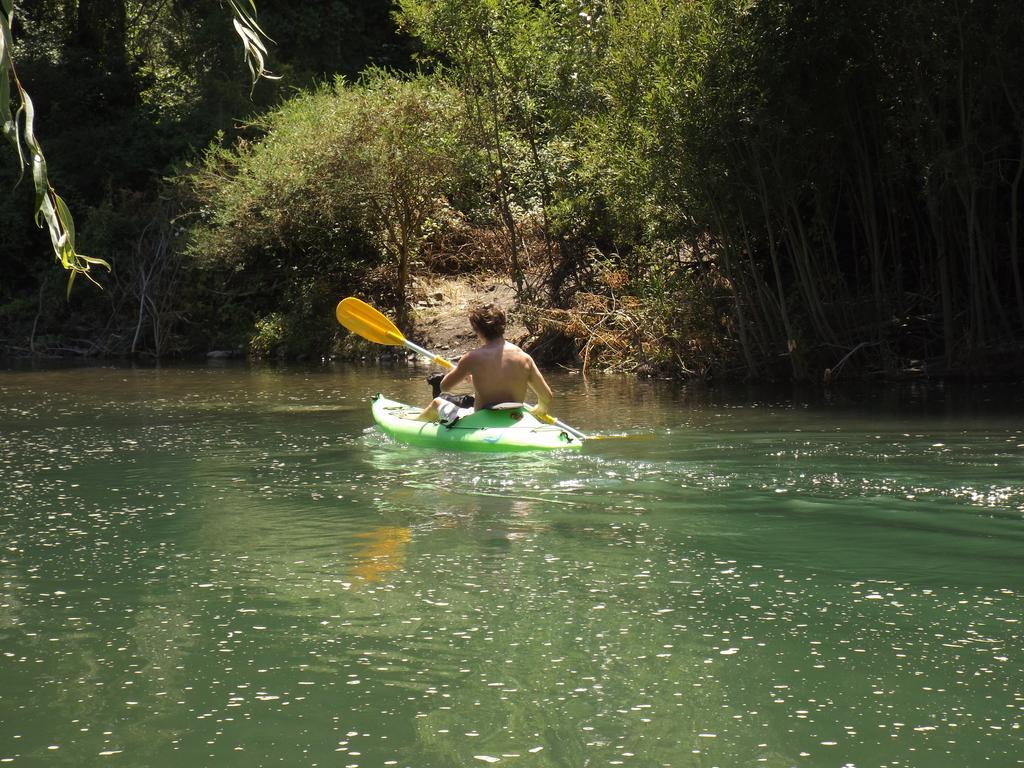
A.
pixel 610 328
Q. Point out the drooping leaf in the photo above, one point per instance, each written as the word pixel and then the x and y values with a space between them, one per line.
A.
pixel 40 180
pixel 5 24
pixel 252 37
pixel 4 45
pixel 5 98
pixel 66 220
pixel 5 70
pixel 95 260
pixel 9 124
pixel 249 19
pixel 49 216
pixel 30 119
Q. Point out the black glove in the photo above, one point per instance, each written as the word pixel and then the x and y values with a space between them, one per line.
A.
pixel 463 401
pixel 434 380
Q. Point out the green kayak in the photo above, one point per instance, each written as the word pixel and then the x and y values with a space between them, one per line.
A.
pixel 508 428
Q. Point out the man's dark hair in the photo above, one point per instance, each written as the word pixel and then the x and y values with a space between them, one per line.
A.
pixel 488 320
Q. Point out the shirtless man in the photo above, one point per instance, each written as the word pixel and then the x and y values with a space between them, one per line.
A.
pixel 499 370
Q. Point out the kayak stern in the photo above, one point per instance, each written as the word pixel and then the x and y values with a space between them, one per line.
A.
pixel 508 429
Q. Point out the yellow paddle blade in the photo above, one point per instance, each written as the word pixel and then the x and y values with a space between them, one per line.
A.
pixel 362 319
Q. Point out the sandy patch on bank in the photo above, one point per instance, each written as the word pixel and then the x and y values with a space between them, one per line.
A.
pixel 440 306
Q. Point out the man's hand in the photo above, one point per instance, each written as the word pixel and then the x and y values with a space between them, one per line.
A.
pixel 537 383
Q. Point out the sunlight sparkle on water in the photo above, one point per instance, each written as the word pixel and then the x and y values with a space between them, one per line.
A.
pixel 227 569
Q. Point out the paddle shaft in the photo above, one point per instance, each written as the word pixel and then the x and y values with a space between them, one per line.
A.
pixel 427 353
pixel 562 425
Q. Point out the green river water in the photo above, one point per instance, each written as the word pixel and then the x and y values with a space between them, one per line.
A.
pixel 225 566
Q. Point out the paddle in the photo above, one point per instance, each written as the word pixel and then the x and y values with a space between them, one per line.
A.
pixel 363 320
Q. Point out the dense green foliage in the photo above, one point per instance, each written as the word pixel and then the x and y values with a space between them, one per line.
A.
pixel 124 93
pixel 788 189
pixel 824 177
pixel 338 198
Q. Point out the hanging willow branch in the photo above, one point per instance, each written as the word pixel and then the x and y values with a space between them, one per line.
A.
pixel 18 126
pixel 252 39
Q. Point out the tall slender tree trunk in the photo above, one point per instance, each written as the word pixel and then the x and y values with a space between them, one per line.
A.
pixel 101 29
pixel 527 124
pixel 942 258
pixel 1015 232
pixel 741 318
pixel 490 129
pixel 795 354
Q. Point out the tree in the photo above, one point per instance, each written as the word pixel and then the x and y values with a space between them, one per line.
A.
pixel 101 26
pixel 405 158
pixel 522 68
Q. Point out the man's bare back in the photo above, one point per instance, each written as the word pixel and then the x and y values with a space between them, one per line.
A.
pixel 501 373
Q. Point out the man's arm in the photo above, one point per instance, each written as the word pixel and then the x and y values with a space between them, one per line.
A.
pixel 461 372
pixel 540 386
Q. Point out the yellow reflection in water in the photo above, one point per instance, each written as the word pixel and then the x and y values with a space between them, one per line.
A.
pixel 382 551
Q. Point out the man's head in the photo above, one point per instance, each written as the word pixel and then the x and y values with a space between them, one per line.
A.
pixel 488 320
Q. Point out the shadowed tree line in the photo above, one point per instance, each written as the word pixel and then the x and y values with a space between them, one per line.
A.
pixel 791 189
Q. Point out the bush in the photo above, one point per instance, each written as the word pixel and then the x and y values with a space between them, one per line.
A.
pixel 346 184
